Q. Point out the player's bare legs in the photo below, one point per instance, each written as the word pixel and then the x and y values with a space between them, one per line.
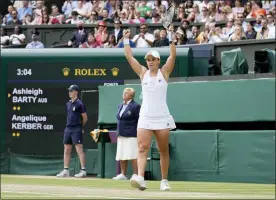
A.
pixel 67 155
pixel 79 149
pixel 162 138
pixel 144 139
pixel 134 166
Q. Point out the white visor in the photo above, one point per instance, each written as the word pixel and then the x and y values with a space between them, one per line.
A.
pixel 153 53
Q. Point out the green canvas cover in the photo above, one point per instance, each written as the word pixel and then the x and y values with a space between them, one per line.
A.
pixel 271 57
pixel 233 62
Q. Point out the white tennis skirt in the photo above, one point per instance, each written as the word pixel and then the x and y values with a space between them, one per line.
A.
pixel 127 148
pixel 156 123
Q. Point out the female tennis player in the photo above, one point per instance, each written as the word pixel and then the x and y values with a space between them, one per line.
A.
pixel 155 116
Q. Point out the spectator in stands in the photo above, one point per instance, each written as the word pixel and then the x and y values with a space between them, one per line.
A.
pixel 88 5
pixel 247 10
pixel 97 7
pixel 93 18
pixel 105 16
pixel 205 37
pixel 213 14
pixel 28 20
pixel 250 32
pixel 270 21
pixel 162 11
pixel 156 34
pixel 74 18
pixel 229 29
pixel 5 39
pixel 91 42
pixel 101 33
pixel 15 20
pixel 35 44
pixel 118 32
pixel 257 9
pixel 8 17
pixel 24 10
pixel 258 24
pixel 188 6
pixel 216 35
pixel 79 37
pixel 240 17
pixel 156 18
pixel 238 7
pixel 45 19
pixel 237 35
pixel 220 5
pixel 185 27
pixel 37 13
pixel 18 37
pixel 204 17
pixel 223 15
pixel 264 32
pixel 195 32
pixel 268 5
pixel 111 43
pixel 110 7
pixel 131 12
pixel 197 13
pixel 229 12
pixel 163 40
pixel 273 12
pixel 68 7
pixel 181 15
pixel 81 9
pixel 56 17
pixel 137 18
pixel 144 38
pixel 180 38
pixel 144 10
pixel 123 17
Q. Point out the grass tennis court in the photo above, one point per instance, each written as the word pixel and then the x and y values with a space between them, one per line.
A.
pixel 49 187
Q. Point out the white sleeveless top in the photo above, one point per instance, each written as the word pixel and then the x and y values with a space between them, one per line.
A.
pixel 154 91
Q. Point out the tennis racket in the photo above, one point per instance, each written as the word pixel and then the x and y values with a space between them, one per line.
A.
pixel 168 18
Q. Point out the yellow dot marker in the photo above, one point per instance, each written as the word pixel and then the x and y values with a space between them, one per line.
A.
pixel 9 95
pixel 13 134
pixel 14 108
pixel 18 108
pixel 18 134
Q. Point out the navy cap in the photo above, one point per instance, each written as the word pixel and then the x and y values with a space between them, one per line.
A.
pixel 74 87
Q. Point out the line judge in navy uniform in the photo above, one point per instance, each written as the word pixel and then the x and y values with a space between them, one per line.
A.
pixel 127 146
pixel 73 134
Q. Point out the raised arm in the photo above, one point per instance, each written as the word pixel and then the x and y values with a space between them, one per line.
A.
pixel 169 65
pixel 135 65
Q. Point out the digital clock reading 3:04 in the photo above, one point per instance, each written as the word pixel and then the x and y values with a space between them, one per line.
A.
pixel 24 72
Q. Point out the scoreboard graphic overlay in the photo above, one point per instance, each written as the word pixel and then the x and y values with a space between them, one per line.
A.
pixel 37 97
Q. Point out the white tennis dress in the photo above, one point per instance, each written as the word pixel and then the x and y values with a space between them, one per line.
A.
pixel 154 112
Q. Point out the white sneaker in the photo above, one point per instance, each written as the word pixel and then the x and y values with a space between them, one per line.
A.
pixel 138 182
pixel 81 174
pixel 120 177
pixel 63 173
pixel 164 185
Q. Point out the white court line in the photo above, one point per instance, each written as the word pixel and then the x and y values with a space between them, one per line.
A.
pixel 63 195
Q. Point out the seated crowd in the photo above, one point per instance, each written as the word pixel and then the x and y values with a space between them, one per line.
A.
pixel 244 20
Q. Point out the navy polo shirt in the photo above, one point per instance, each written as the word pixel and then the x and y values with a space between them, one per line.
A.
pixel 74 111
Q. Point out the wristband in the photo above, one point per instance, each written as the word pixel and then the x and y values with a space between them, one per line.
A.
pixel 126 41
